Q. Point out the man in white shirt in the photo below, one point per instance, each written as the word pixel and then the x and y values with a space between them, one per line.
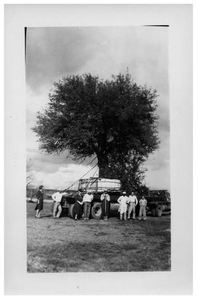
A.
pixel 123 200
pixel 133 201
pixel 57 208
pixel 87 199
pixel 142 211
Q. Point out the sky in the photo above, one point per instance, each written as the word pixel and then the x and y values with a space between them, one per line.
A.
pixel 54 52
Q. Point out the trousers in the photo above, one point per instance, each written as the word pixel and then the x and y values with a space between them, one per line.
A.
pixel 87 208
pixel 131 210
pixel 142 212
pixel 57 210
pixel 123 214
pixel 105 208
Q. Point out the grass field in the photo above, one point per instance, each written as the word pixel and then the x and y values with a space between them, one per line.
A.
pixel 65 245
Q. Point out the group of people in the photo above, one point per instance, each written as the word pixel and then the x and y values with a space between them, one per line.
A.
pixel 127 205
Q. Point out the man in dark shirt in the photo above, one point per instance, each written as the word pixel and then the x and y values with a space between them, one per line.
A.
pixel 105 198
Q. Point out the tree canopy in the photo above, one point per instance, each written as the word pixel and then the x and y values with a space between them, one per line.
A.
pixel 115 120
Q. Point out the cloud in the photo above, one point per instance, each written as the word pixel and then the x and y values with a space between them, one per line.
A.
pixel 158 179
pixel 160 159
pixel 47 163
pixel 141 50
pixel 50 163
pixel 63 177
pixel 164 126
pixel 52 53
pixel 157 165
pixel 57 171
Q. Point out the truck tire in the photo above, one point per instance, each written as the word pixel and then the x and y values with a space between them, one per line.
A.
pixel 153 210
pixel 96 211
pixel 71 206
pixel 158 211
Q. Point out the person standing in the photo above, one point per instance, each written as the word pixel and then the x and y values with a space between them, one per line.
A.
pixel 123 200
pixel 142 211
pixel 133 201
pixel 87 199
pixel 57 208
pixel 105 198
pixel 77 209
pixel 39 205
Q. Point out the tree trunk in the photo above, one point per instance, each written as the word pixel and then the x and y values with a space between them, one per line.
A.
pixel 102 165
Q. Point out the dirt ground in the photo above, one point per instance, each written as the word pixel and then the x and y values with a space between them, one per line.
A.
pixel 66 245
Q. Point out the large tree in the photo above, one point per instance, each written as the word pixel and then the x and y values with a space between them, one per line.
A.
pixel 115 120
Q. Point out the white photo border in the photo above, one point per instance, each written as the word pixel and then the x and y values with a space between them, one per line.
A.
pixel 179 280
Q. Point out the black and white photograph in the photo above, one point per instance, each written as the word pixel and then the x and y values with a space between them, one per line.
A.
pixel 99 184
pixel 98 149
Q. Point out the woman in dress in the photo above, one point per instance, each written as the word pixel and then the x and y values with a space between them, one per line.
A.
pixel 39 205
pixel 77 209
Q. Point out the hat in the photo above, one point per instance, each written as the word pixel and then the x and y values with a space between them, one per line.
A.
pixel 40 187
pixel 124 193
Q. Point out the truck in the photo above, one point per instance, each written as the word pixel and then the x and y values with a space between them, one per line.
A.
pixel 158 200
pixel 96 185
